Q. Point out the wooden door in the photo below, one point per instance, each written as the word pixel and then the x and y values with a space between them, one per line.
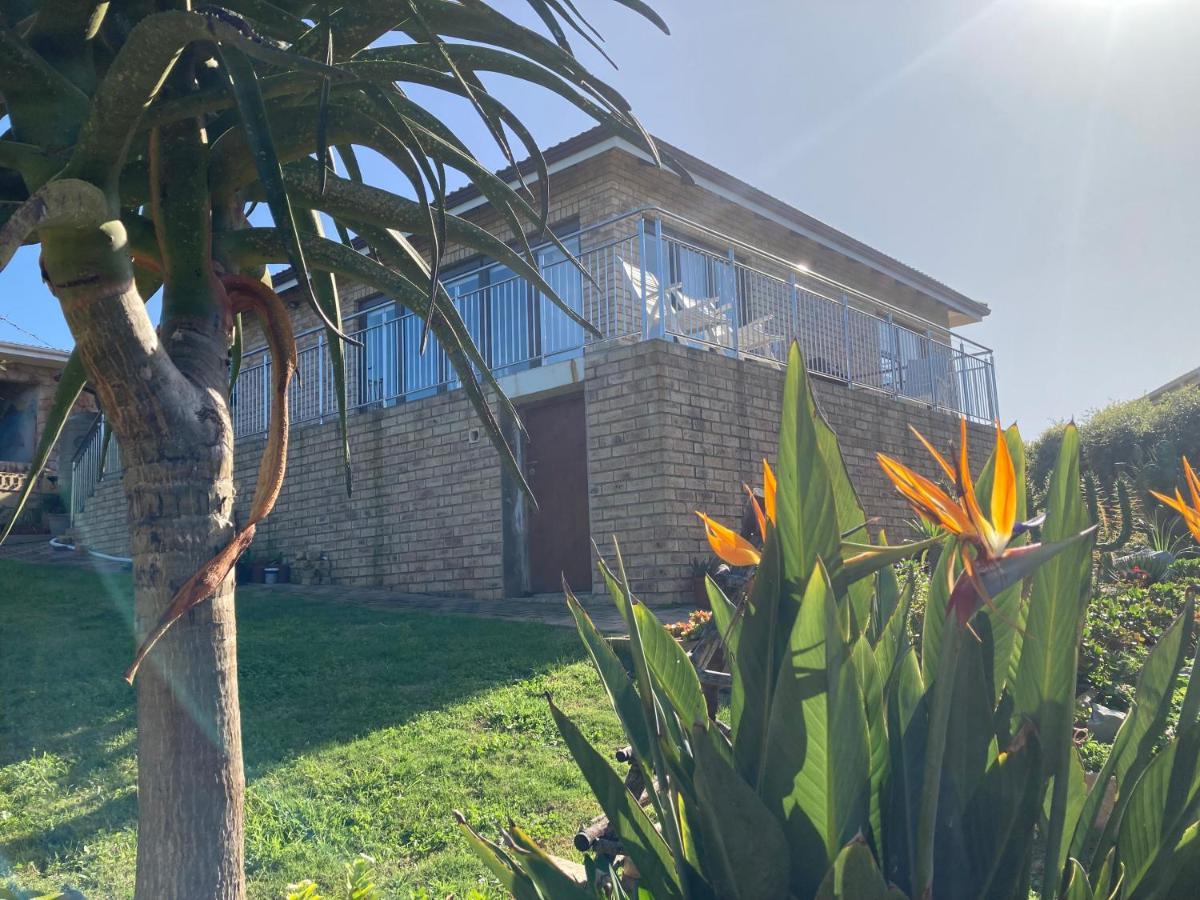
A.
pixel 556 468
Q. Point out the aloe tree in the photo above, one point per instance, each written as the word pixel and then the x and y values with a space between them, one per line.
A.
pixel 139 136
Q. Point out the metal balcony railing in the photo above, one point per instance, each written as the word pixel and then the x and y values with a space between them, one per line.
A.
pixel 653 275
pixel 93 462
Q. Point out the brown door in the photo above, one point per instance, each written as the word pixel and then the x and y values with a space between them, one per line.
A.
pixel 556 468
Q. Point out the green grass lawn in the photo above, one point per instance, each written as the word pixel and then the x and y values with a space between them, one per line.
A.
pixel 363 729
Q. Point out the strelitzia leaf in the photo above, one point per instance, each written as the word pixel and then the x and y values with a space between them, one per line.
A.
pixel 1136 740
pixel 671 669
pixel 1044 688
pixel 617 684
pixel 641 841
pixel 749 854
pixel 855 875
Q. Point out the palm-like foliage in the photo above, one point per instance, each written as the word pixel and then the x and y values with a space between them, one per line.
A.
pixel 139 136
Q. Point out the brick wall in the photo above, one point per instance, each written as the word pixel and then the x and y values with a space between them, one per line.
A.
pixel 673 429
pixel 425 514
pixel 103 525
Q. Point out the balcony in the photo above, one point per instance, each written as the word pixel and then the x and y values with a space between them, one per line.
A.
pixel 719 293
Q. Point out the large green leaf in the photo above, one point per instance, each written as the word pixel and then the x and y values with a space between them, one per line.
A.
pixel 872 682
pixel 671 668
pixel 1138 736
pixel 1163 805
pixel 816 776
pixel 997 828
pixel 908 730
pixel 807 531
pixel 749 854
pixel 641 841
pixel 616 681
pixel 855 875
pixel 1044 689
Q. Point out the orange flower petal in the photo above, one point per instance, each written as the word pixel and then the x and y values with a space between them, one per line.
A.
pixel 967 486
pixel 1004 490
pixel 929 500
pixel 728 545
pixel 941 460
pixel 758 513
pixel 769 487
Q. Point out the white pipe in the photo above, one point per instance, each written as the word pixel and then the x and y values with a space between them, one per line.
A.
pixel 59 545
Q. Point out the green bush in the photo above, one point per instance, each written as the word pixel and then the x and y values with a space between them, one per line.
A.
pixel 1147 435
pixel 854 765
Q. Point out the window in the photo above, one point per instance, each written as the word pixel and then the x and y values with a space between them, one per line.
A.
pixel 380 370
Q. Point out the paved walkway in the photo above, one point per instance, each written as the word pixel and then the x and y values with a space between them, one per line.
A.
pixel 548 610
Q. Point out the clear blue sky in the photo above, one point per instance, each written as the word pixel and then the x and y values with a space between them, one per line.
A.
pixel 1041 156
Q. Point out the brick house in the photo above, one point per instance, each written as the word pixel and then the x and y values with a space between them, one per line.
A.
pixel 697 290
pixel 28 380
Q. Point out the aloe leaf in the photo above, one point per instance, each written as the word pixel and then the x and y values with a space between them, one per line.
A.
pixel 499 863
pixel 236 351
pixel 325 290
pixel 748 852
pixel 644 845
pixel 257 245
pixel 616 681
pixel 1044 689
pixel 257 131
pixel 70 385
pixel 816 776
pixel 855 875
pixel 537 864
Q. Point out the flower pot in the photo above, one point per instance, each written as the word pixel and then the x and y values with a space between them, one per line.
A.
pixel 700 592
pixel 271 575
pixel 258 572
pixel 58 523
pixel 285 573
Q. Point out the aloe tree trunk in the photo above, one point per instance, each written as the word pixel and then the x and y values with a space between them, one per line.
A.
pixel 166 395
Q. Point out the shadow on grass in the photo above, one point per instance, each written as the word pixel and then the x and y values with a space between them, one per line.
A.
pixel 311 673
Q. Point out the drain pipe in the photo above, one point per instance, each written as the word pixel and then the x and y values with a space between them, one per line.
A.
pixel 61 545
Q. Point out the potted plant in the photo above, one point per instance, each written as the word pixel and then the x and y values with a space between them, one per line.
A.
pixel 285 571
pixel 243 569
pixel 55 512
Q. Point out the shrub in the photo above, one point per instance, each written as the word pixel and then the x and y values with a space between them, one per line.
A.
pixel 1143 434
pixel 852 762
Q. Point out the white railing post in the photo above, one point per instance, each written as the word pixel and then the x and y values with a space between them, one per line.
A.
pixel 993 400
pixel 320 376
pixel 735 302
pixel 894 349
pixel 641 234
pixel 664 305
pixel 795 330
pixel 846 338
pixel 929 365
pixel 266 393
